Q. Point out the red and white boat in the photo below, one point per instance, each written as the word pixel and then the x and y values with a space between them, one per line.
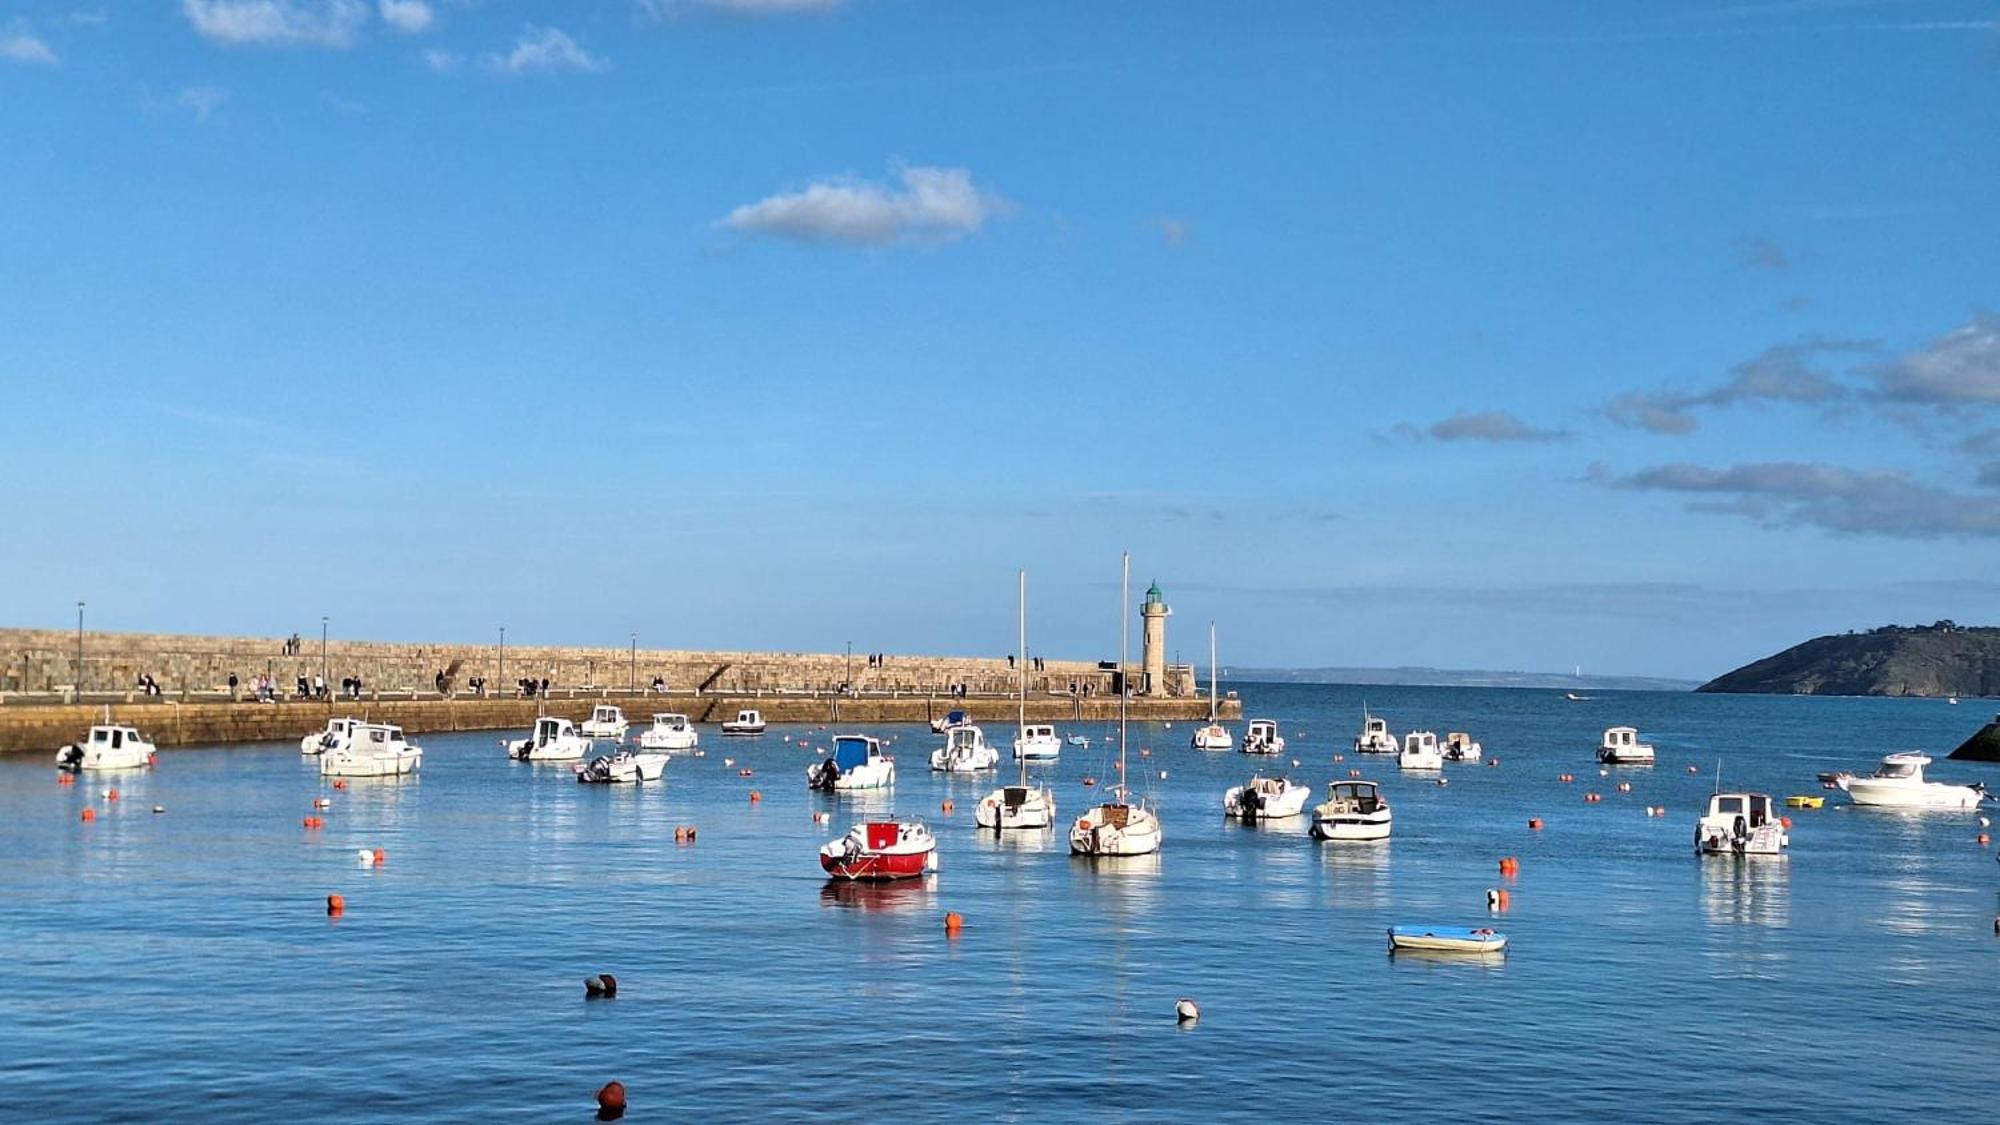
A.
pixel 881 849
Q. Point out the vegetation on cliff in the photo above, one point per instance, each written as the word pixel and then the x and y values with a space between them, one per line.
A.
pixel 1939 659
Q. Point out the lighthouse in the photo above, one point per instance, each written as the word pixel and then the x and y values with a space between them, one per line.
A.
pixel 1153 648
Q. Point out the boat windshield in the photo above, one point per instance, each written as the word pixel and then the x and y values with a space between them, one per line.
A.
pixel 1729 806
pixel 1897 769
pixel 850 751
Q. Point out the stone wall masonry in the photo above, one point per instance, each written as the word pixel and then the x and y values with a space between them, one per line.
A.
pixel 36 661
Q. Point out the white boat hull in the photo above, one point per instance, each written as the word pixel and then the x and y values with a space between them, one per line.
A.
pixel 564 750
pixel 1715 839
pixel 1351 826
pixel 1626 757
pixel 627 769
pixel 1106 831
pixel 678 740
pixel 866 777
pixel 123 758
pixel 347 763
pixel 979 761
pixel 1288 801
pixel 1213 737
pixel 1420 761
pixel 1035 810
pixel 1375 746
pixel 1037 749
pixel 1896 795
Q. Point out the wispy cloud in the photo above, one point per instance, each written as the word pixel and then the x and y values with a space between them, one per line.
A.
pixel 926 204
pixel 443 61
pixel 277 23
pixel 18 44
pixel 1762 254
pixel 340 104
pixel 1780 373
pixel 202 101
pixel 1790 493
pixel 1483 425
pixel 545 50
pixel 410 17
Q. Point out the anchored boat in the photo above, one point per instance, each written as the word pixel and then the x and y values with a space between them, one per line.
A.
pixel 1022 806
pixel 108 746
pixel 881 849
pixel 1037 743
pixel 747 722
pixel 964 751
pixel 1374 737
pixel 1420 751
pixel 374 750
pixel 1740 824
pixel 670 731
pixel 606 721
pixel 1899 783
pixel 1353 810
pixel 1214 736
pixel 1120 826
pixel 1460 747
pixel 1445 939
pixel 1262 737
pixel 857 762
pixel 552 740
pixel 1620 746
pixel 624 767
pixel 1265 798
pixel 336 734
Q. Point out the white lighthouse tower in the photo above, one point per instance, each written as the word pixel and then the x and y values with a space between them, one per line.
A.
pixel 1153 615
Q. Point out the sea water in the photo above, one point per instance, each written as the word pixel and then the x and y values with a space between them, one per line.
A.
pixel 181 966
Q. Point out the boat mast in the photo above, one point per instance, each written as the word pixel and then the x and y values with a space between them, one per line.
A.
pixel 1124 656
pixel 1211 673
pixel 1021 723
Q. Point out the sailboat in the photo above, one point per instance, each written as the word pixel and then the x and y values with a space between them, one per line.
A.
pixel 1119 826
pixel 1214 736
pixel 1022 805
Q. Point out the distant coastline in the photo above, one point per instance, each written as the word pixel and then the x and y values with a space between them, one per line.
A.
pixel 1419 676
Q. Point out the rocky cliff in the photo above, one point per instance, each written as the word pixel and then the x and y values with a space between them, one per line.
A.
pixel 1923 660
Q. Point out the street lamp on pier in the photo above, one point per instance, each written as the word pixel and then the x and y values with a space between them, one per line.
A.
pixel 79 652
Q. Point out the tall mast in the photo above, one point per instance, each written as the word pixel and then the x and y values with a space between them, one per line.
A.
pixel 1211 673
pixel 1124 657
pixel 1021 724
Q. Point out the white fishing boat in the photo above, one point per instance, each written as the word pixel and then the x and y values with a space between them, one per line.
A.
pixel 1262 737
pixel 108 746
pixel 1353 810
pixel 857 763
pixel 1899 783
pixel 624 767
pixel 1375 737
pixel 1460 747
pixel 1037 743
pixel 670 731
pixel 1214 736
pixel 373 750
pixel 1621 747
pixel 1740 824
pixel 1265 798
pixel 1420 751
pixel 1445 939
pixel 336 735
pixel 606 721
pixel 748 721
pixel 552 740
pixel 964 751
pixel 1120 826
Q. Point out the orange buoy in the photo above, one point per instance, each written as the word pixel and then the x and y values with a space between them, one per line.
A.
pixel 680 835
pixel 1984 839
pixel 611 1101
pixel 953 922
pixel 1090 781
pixel 65 778
pixel 946 807
pixel 1496 899
pixel 1535 823
pixel 89 815
pixel 111 794
pixel 335 904
pixel 755 796
pixel 1786 821
pixel 381 857
pixel 340 783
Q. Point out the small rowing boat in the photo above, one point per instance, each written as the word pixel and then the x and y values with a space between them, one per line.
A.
pixel 1445 939
pixel 1803 801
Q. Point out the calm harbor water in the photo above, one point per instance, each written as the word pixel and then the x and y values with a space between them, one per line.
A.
pixel 180 966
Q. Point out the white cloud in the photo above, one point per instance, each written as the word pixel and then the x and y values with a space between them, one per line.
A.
pixel 442 61
pixel 407 16
pixel 279 23
pixel 1819 495
pixel 931 205
pixel 202 101
pixel 18 44
pixel 545 50
pixel 1959 368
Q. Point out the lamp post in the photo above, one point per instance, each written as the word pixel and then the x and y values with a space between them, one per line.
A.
pixel 848 674
pixel 79 652
pixel 632 680
pixel 503 656
pixel 322 649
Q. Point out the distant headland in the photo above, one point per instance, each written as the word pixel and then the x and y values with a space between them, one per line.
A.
pixel 1939 659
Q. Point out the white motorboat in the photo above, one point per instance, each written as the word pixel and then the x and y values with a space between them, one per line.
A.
pixel 964 751
pixel 1265 798
pixel 748 721
pixel 1353 810
pixel 1375 737
pixel 1214 736
pixel 606 721
pixel 626 766
pixel 1899 783
pixel 1460 747
pixel 670 731
pixel 552 740
pixel 1740 824
pixel 1262 737
pixel 1024 806
pixel 1420 751
pixel 108 746
pixel 1621 747
pixel 1119 826
pixel 373 750
pixel 857 762
pixel 336 735
pixel 1037 743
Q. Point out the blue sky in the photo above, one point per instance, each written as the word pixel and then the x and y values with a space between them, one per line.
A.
pixel 1647 337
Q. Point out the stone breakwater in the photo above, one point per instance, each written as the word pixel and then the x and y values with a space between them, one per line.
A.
pixel 45 727
pixel 42 661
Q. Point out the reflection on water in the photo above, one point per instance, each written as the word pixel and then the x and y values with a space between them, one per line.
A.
pixel 1750 890
pixel 900 896
pixel 1357 873
pixel 1020 840
pixel 1439 961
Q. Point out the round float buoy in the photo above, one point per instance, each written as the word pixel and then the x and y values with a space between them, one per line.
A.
pixel 822 818
pixel 322 802
pixel 380 857
pixel 1443 781
pixel 365 856
pixel 1496 900
pixel 340 783
pixel 1145 753
pixel 755 796
pixel 65 779
pixel 1089 781
pixel 602 985
pixel 152 759
pixel 953 923
pixel 1694 769
pixel 1340 757
pixel 680 835
pixel 1786 821
pixel 611 1101
pixel 111 794
pixel 745 773
pixel 1163 775
pixel 729 763
pixel 1354 773
pixel 1984 839
pixel 89 815
pixel 159 808
pixel 1186 1010
pixel 1535 823
pixel 947 806
pixel 335 904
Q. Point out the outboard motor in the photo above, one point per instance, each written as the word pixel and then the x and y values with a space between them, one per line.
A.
pixel 70 758
pixel 823 775
pixel 1250 802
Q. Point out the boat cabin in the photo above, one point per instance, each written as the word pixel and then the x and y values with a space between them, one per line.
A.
pixel 670 721
pixel 114 737
pixel 1903 766
pixel 377 736
pixel 1458 740
pixel 962 739
pixel 1038 731
pixel 606 713
pixel 749 718
pixel 1754 808
pixel 1621 738
pixel 854 750
pixel 1420 742
pixel 1262 730
pixel 1361 797
pixel 1373 727
pixel 548 729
